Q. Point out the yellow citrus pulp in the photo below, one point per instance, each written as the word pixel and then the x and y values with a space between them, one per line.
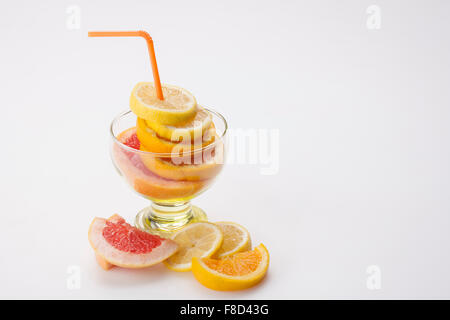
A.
pixel 192 129
pixel 200 239
pixel 235 239
pixel 179 105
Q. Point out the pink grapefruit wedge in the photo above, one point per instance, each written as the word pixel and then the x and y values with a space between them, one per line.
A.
pixel 116 243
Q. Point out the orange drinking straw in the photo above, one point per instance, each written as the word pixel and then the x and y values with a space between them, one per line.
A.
pixel 151 51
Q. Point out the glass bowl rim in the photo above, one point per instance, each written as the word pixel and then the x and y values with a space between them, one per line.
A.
pixel 160 154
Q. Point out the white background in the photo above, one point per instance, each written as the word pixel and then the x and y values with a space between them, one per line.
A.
pixel 363 115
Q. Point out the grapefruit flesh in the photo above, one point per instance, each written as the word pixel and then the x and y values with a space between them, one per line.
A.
pixel 124 237
pixel 105 265
pixel 117 243
pixel 132 141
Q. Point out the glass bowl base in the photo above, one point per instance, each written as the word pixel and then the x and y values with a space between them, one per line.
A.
pixel 163 224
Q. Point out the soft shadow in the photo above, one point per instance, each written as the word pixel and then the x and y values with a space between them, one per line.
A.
pixel 240 294
pixel 121 277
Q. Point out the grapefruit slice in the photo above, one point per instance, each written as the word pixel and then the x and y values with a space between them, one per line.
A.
pixel 105 265
pixel 123 245
pixel 179 105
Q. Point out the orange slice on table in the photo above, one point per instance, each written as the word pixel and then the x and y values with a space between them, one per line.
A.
pixel 178 106
pixel 239 271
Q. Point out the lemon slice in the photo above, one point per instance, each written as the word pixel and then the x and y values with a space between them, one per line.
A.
pixel 200 239
pixel 239 271
pixel 235 239
pixel 178 106
pixel 193 128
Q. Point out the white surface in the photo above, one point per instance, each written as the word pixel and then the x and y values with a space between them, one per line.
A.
pixel 363 115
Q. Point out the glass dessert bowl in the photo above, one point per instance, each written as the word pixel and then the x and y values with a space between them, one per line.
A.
pixel 168 179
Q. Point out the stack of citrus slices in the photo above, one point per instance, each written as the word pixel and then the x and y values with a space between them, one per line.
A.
pixel 219 254
pixel 163 124
pixel 183 152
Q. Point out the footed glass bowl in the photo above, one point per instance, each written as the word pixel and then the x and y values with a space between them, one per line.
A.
pixel 169 180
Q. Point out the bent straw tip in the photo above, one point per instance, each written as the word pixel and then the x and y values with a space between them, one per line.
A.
pixel 145 34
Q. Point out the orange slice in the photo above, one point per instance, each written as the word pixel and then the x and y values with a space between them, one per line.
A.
pixel 236 272
pixel 179 168
pixel 153 143
pixel 178 106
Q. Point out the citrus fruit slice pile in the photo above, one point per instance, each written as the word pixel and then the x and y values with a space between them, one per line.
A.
pixel 182 152
pixel 163 125
pixel 116 243
pixel 148 182
pixel 219 255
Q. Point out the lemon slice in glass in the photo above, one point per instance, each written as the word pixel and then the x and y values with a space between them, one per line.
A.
pixel 193 128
